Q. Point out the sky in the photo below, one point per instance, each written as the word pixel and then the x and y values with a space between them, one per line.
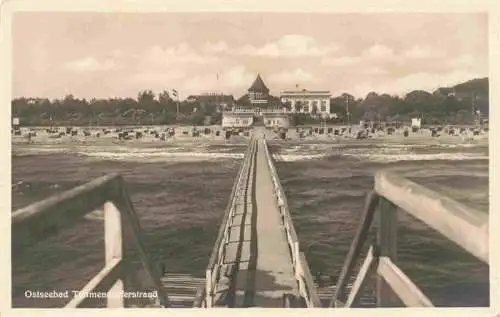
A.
pixel 102 55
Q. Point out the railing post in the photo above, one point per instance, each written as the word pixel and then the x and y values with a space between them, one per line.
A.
pixel 296 260
pixel 298 277
pixel 113 239
pixel 208 286
pixel 387 241
pixel 298 268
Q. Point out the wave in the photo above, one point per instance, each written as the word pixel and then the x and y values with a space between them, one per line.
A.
pixel 297 157
pixel 37 151
pixel 153 157
pixel 386 158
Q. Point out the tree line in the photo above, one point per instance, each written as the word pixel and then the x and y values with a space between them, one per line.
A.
pixel 147 109
pixel 453 105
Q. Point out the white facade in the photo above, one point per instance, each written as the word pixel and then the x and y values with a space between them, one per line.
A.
pixel 257 111
pixel 276 120
pixel 304 101
pixel 237 120
pixel 416 122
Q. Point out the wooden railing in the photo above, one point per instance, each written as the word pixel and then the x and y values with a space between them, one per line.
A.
pixel 465 226
pixel 46 218
pixel 205 297
pixel 307 289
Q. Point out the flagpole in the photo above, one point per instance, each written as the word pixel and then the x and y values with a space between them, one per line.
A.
pixel 176 94
pixel 473 104
pixel 347 110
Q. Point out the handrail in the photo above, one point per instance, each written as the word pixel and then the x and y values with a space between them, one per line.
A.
pixel 357 244
pixel 443 214
pixel 218 250
pixel 220 236
pixel 280 195
pixel 199 299
pixel 48 217
pixel 306 286
pixel 45 218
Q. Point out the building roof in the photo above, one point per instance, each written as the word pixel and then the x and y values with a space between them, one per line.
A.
pixel 304 92
pixel 245 101
pixel 258 86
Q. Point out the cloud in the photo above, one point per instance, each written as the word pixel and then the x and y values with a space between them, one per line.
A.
pixel 234 77
pixel 374 71
pixel 117 53
pixel 465 61
pixel 192 71
pixel 340 61
pixel 378 51
pixel 296 76
pixel 379 59
pixel 425 80
pixel 182 53
pixel 156 78
pixel 231 79
pixel 237 77
pixel 374 54
pixel 89 64
pixel 417 52
pixel 292 45
pixel 218 47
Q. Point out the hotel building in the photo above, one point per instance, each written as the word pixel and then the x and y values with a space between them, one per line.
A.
pixel 256 107
pixel 307 101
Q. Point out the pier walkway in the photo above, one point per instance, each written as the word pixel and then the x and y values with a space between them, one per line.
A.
pixel 256 260
pixel 276 276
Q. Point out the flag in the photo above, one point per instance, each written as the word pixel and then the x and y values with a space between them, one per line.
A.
pixel 296 85
pixel 174 92
pixel 218 76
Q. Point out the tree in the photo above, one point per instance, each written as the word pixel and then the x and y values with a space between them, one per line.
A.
pixel 146 101
pixel 445 104
pixel 419 101
pixel 197 118
pixel 209 109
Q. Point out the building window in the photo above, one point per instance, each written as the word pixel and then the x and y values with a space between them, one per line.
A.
pixel 237 121
pixel 306 108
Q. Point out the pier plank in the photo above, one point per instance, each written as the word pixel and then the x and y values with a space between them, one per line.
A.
pixel 274 271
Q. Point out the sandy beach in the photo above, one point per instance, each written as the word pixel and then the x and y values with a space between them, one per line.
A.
pixel 156 135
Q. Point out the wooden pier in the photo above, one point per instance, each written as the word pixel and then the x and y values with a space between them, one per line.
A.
pixel 256 260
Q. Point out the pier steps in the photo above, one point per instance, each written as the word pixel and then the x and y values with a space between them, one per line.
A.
pixel 181 289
